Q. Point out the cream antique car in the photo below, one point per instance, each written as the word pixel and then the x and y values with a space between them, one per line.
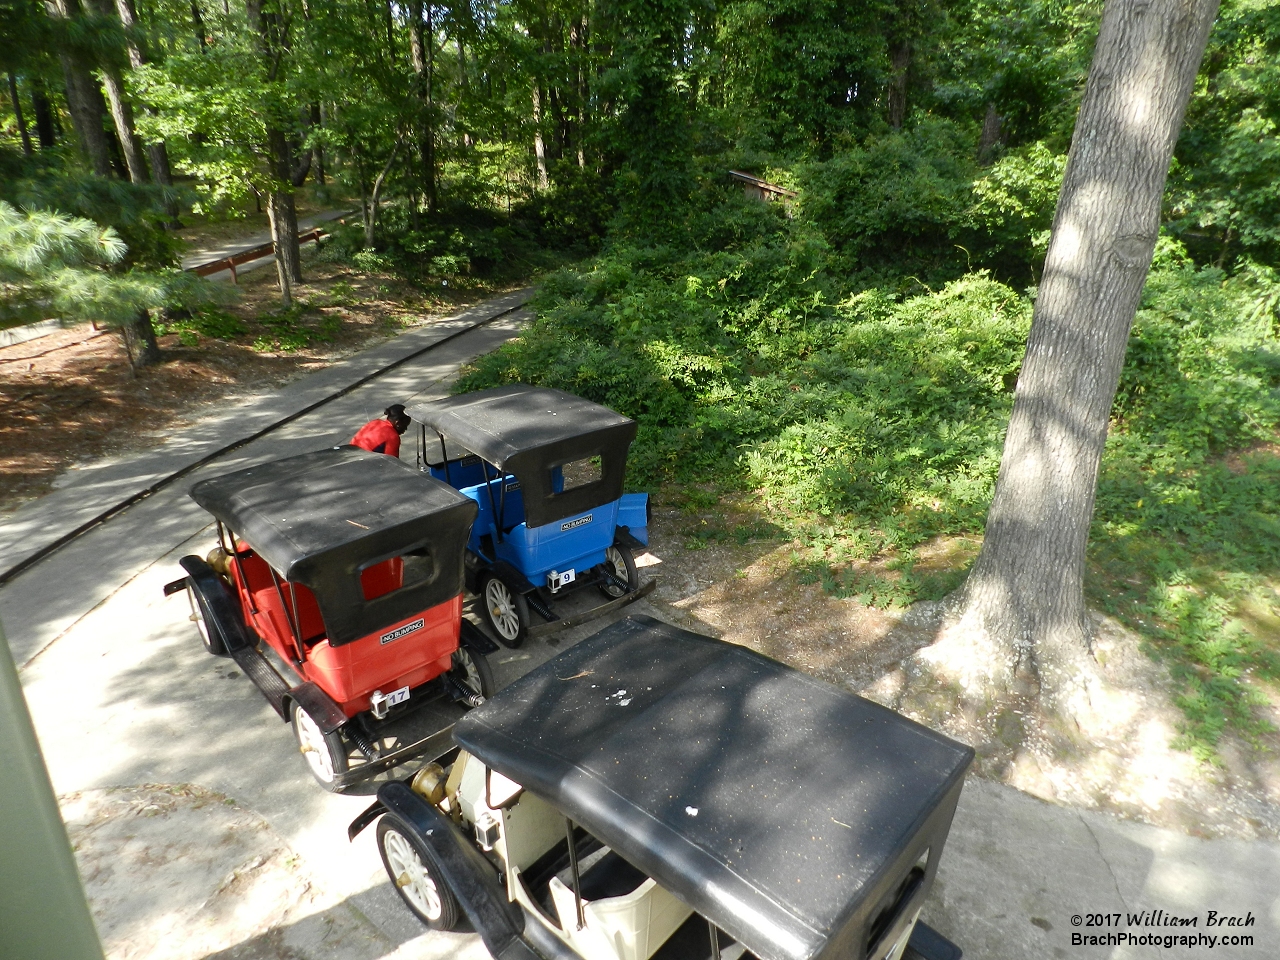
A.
pixel 653 793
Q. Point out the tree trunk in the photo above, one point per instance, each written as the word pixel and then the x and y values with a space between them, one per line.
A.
pixel 197 22
pixel 581 47
pixel 318 119
pixel 899 63
pixel 990 135
pixel 161 171
pixel 1025 594
pixel 17 115
pixel 270 30
pixel 84 103
pixel 422 59
pixel 371 207
pixel 46 131
pixel 122 114
pixel 140 341
pixel 539 148
pixel 464 88
pixel 278 215
pixel 281 211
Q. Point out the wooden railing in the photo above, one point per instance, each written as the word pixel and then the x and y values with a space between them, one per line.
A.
pixel 248 256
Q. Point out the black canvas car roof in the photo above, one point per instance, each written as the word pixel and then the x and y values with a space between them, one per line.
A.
pixel 530 430
pixel 320 518
pixel 773 804
pixel 505 422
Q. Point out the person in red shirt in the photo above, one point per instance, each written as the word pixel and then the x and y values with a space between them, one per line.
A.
pixel 383 435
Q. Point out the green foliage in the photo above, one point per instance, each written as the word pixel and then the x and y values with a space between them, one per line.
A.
pixel 1013 208
pixel 55 265
pixel 135 212
pixel 297 328
pixel 1223 187
pixel 209 322
pixel 896 196
pixel 869 421
pixel 798 74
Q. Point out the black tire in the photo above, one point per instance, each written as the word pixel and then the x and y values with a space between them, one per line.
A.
pixel 416 875
pixel 619 561
pixel 206 622
pixel 324 753
pixel 506 612
pixel 472 670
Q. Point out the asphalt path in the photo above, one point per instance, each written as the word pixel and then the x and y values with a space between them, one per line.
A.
pixel 122 695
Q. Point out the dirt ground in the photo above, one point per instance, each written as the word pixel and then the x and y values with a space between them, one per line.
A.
pixel 135 850
pixel 72 396
pixel 748 591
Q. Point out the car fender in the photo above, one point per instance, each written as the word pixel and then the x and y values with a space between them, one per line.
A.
pixel 512 577
pixel 475 640
pixel 319 706
pixel 471 878
pixel 229 620
pixel 634 514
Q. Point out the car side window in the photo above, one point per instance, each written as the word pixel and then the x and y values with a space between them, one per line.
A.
pixel 581 473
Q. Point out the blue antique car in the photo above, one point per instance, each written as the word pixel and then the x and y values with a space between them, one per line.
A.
pixel 545 469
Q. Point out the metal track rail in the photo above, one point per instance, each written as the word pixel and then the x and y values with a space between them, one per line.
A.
pixel 30 561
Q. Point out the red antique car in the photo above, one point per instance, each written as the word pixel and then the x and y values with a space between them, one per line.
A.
pixel 349 566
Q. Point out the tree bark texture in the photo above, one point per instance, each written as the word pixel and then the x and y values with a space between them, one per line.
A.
pixel 991 135
pixel 140 341
pixel 161 171
pixel 270 31
pixel 18 115
pixel 539 147
pixel 282 213
pixel 84 103
pixel 422 59
pixel 46 129
pixel 1026 589
pixel 278 217
pixel 371 207
pixel 122 115
pixel 899 64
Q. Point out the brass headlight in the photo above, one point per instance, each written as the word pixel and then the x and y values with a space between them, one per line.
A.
pixel 220 561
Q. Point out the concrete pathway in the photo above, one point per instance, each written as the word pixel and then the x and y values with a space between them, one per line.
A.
pixel 130 710
pixel 85 493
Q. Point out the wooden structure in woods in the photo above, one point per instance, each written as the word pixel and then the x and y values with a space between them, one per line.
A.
pixel 753 186
pixel 248 256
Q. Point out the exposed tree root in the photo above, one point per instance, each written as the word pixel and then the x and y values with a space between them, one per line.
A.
pixel 1092 730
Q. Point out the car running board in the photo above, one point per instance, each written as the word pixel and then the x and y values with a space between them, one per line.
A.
pixel 264 676
pixel 318 704
pixel 564 623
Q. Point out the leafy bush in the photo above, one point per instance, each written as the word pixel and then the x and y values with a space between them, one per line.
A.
pixel 877 418
pixel 210 322
pixel 898 196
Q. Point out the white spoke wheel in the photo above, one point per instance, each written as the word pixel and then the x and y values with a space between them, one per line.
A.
pixel 472 670
pixel 619 561
pixel 201 616
pixel 505 611
pixel 325 753
pixel 415 875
